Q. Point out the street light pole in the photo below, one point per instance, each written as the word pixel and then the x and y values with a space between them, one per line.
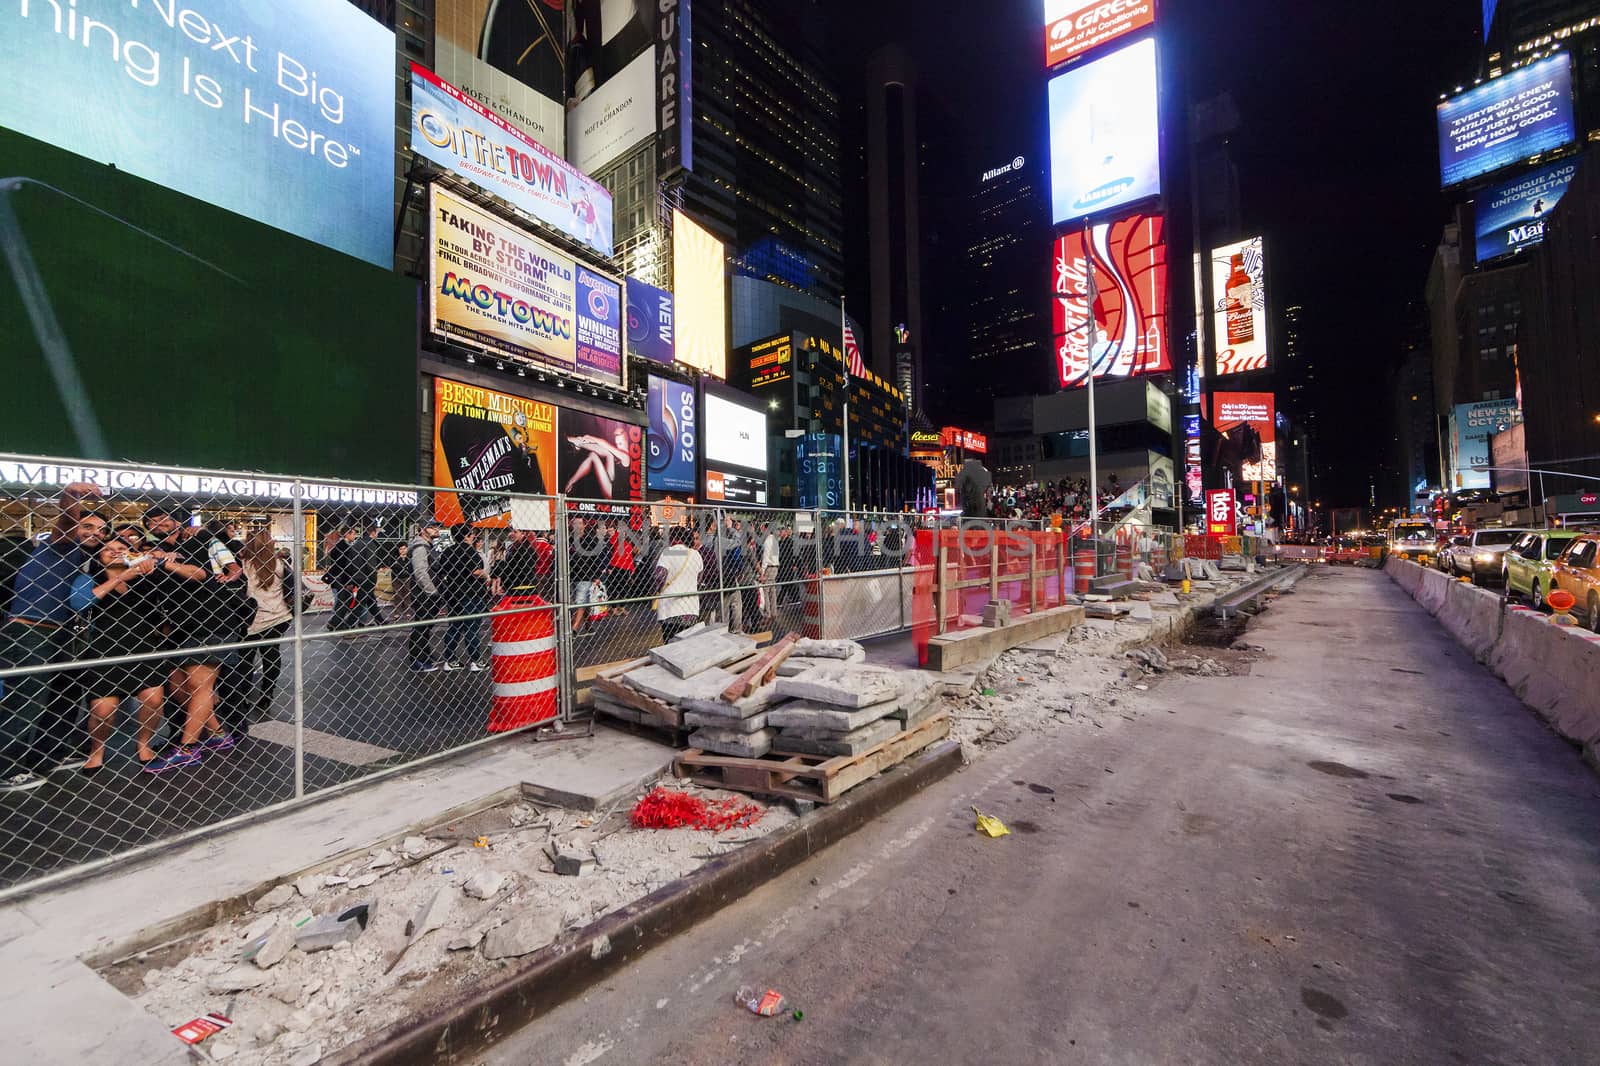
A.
pixel 1094 459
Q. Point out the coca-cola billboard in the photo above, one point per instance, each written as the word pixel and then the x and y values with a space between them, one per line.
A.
pixel 1239 307
pixel 1130 301
pixel 1072 27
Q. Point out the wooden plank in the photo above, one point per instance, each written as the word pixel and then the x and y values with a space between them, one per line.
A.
pixel 891 752
pixel 665 713
pixel 761 670
pixel 616 670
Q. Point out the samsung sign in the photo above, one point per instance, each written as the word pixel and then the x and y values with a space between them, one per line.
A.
pixel 1510 216
pixel 1105 148
pixel 1015 164
pixel 1506 120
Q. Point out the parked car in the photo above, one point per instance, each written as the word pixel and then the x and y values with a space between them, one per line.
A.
pixel 1528 566
pixel 1577 570
pixel 1480 559
pixel 1442 560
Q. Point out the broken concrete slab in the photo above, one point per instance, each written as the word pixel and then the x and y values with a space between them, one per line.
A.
pixel 744 707
pixel 275 948
pixel 414 847
pixel 1141 611
pixel 309 885
pixel 795 665
pixel 484 883
pixel 852 743
pixel 1105 610
pixel 1164 599
pixel 698 628
pixel 706 651
pixel 464 941
pixel 843 685
pixel 237 979
pixel 273 899
pixel 916 717
pixel 754 724
pixel 665 685
pixel 847 650
pixel 810 717
pixel 573 861
pixel 726 742
pixel 524 934
pixel 593 773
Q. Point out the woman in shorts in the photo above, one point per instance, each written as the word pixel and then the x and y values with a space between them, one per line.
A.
pixel 125 620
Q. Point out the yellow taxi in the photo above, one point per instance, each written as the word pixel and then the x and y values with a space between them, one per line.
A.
pixel 1577 570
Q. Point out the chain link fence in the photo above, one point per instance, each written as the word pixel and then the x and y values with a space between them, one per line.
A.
pixel 181 649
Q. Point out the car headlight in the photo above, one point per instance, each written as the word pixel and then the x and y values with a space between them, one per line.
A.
pixel 1485 557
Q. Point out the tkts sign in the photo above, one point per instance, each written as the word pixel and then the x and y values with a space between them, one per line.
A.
pixel 1072 27
pixel 1222 513
pixel 1130 304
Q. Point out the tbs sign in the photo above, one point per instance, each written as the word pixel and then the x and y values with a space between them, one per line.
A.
pixel 1073 28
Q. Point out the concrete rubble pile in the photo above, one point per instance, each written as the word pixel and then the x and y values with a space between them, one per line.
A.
pixel 821 694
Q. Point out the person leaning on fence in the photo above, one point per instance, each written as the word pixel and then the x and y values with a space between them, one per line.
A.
pixel 420 562
pixel 36 710
pixel 677 574
pixel 460 576
pixel 771 557
pixel 201 609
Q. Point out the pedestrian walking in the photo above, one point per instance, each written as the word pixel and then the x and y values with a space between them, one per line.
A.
pixel 425 603
pixel 370 558
pixel 37 711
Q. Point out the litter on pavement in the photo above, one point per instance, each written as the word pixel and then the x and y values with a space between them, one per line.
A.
pixel 990 826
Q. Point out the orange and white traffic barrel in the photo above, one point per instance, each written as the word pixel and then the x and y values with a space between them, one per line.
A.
pixel 1082 570
pixel 522 664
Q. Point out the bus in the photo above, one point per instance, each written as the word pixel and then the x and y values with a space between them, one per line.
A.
pixel 1414 539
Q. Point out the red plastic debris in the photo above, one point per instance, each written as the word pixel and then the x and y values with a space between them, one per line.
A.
pixel 664 809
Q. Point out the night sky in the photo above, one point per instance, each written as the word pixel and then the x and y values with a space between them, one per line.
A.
pixel 1337 155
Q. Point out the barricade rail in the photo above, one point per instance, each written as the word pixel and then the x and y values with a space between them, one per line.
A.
pixel 182 649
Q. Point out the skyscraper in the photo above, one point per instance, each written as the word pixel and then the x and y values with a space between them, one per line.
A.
pixel 1008 339
pixel 765 127
pixel 893 203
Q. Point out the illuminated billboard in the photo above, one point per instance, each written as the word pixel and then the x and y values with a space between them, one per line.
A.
pixel 498 288
pixel 1239 307
pixel 611 108
pixel 1506 120
pixel 1073 27
pixel 674 436
pixel 511 58
pixel 700 285
pixel 454 131
pixel 1105 148
pixel 733 439
pixel 1471 426
pixel 650 325
pixel 487 443
pixel 1130 307
pixel 281 112
pixel 601 462
pixel 1510 216
pixel 1246 425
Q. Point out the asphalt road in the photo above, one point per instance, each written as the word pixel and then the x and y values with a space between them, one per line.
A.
pixel 1365 851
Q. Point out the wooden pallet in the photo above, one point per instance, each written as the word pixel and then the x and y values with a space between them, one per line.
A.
pixel 823 778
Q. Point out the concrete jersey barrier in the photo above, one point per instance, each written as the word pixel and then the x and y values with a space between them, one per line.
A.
pixel 1553 669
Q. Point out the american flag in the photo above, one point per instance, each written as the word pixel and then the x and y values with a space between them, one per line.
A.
pixel 852 353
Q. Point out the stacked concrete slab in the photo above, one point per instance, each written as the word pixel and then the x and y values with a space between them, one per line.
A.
pixel 846 708
pixel 826 699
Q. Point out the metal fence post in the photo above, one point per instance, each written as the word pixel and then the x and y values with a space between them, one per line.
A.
pixel 994 561
pixel 565 689
pixel 299 641
pixel 819 533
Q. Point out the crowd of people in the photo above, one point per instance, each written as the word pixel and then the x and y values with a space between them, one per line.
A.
pixel 187 621
pixel 1068 498
pixel 150 607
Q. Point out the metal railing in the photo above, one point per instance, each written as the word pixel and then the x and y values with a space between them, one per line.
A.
pixel 183 649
